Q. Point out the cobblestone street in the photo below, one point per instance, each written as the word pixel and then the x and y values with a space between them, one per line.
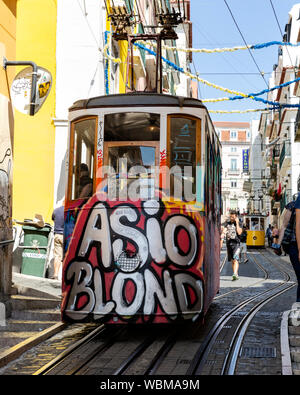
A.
pixel 260 352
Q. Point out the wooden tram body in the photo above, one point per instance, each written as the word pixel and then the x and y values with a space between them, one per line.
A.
pixel 136 251
pixel 256 230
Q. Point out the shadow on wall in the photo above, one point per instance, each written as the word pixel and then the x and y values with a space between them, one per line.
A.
pixel 12 5
pixel 61 188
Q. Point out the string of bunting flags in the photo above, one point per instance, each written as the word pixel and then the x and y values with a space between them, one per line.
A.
pixel 220 50
pixel 238 95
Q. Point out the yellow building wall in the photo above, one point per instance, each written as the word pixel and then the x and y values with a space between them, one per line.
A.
pixel 123 46
pixel 34 140
pixel 7 50
pixel 7 41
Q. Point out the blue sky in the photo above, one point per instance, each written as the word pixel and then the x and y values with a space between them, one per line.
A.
pixel 213 27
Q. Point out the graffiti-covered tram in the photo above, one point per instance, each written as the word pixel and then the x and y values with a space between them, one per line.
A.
pixel 142 210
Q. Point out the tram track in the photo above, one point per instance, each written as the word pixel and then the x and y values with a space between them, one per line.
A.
pixel 243 313
pixel 232 351
pixel 266 276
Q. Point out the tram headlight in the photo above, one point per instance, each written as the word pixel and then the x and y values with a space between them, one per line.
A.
pixel 127 263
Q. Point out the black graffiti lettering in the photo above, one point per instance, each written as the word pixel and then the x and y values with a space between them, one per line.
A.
pixel 81 275
pixel 183 282
pixel 123 308
pixel 164 295
pixel 96 232
pixel 141 291
pixel 101 309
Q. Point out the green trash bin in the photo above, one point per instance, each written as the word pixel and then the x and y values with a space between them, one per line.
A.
pixel 35 250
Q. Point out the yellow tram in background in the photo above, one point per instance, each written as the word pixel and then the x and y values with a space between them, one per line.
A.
pixel 256 225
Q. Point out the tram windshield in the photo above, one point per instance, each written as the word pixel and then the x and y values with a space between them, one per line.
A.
pixel 131 150
pixel 256 224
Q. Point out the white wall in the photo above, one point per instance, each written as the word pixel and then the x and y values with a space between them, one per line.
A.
pixel 79 66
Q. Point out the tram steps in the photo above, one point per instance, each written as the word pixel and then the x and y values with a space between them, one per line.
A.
pixel 37 315
pixel 25 326
pixel 20 302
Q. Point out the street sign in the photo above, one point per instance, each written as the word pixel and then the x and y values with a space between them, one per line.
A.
pixel 20 90
pixel 245 161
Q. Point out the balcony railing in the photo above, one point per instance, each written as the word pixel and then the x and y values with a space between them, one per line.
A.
pixel 234 172
pixel 276 151
pixel 285 152
pixel 273 172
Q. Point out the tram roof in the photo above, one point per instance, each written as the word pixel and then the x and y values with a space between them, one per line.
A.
pixel 140 99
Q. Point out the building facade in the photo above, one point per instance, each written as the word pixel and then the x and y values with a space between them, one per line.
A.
pixel 235 138
pixel 34 141
pixel 280 129
pixel 75 44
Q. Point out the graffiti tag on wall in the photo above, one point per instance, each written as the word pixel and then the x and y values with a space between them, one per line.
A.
pixel 138 262
pixel 4 195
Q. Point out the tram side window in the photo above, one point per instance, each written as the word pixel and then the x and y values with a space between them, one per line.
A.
pixel 82 168
pixel 183 153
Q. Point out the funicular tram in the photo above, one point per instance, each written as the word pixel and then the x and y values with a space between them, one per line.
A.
pixel 256 225
pixel 142 210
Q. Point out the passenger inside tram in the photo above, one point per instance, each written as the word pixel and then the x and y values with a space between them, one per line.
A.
pixel 86 182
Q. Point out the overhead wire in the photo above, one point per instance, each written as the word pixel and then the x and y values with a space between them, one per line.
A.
pixel 84 13
pixel 201 32
pixel 278 24
pixel 236 24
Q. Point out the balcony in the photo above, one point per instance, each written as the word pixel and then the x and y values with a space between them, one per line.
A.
pixel 276 153
pixel 234 172
pixel 273 172
pixel 285 156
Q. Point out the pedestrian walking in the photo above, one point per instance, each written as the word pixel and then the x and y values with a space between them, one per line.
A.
pixel 232 232
pixel 295 249
pixel 275 234
pixel 58 218
pixel 269 236
pixel 289 237
pixel 243 240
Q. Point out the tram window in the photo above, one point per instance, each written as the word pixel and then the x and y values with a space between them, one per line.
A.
pixel 133 167
pixel 83 151
pixel 255 224
pixel 132 126
pixel 183 148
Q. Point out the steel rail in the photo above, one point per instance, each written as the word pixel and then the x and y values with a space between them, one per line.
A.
pixel 61 357
pixel 231 359
pixel 102 348
pixel 238 289
pixel 230 362
pixel 200 357
pixel 161 354
pixel 223 263
pixel 134 355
